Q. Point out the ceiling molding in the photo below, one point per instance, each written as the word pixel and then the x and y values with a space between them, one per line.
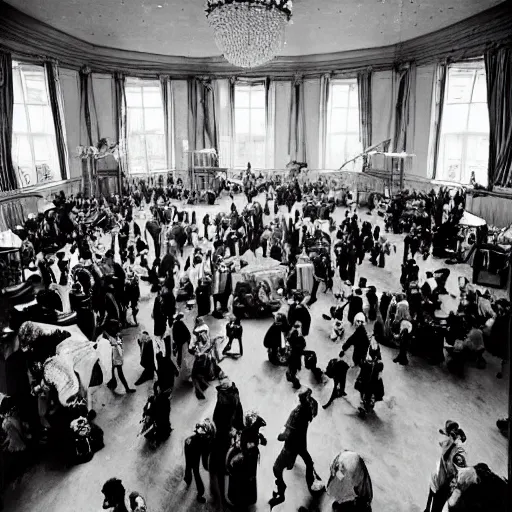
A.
pixel 26 37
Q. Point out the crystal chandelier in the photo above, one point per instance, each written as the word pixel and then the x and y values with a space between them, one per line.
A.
pixel 249 32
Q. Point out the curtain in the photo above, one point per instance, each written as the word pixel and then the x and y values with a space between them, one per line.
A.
pixel 57 104
pixel 404 80
pixel 270 124
pixel 167 91
pixel 325 85
pixel 436 116
pixel 202 122
pixel 89 126
pixel 498 69
pixel 7 173
pixel 364 88
pixel 297 132
pixel 225 107
pixel 121 123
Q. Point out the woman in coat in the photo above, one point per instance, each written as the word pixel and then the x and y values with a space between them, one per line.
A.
pixel 369 381
pixel 242 462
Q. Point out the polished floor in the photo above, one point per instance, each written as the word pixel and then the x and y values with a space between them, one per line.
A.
pixel 399 443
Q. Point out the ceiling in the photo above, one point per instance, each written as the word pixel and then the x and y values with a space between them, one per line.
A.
pixel 179 27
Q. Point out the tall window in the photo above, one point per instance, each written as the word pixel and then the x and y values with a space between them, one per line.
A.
pixel 34 146
pixel 342 123
pixel 146 127
pixel 464 141
pixel 250 130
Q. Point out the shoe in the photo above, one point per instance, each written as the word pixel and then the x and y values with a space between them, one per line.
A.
pixel 311 302
pixel 141 380
pixel 325 406
pixel 201 499
pixel 131 390
pixel 296 385
pixel 200 396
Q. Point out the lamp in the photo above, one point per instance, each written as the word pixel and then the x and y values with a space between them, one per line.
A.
pixel 249 33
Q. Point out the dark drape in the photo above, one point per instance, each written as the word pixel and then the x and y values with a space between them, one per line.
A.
pixel 297 132
pixel 202 122
pixel 403 81
pixel 89 127
pixel 436 117
pixel 7 173
pixel 166 90
pixel 56 102
pixel 364 88
pixel 121 122
pixel 498 68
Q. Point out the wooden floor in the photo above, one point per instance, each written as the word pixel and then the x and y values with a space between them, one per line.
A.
pixel 399 443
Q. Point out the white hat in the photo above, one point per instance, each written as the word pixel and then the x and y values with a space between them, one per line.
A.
pixel 360 318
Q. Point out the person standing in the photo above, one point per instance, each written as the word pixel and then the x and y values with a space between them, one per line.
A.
pixel 453 457
pixel 295 444
pixel 154 229
pixel 234 331
pixel 359 339
pixel 112 334
pixel 298 312
pixel 297 344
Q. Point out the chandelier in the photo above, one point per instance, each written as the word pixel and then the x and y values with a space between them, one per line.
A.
pixel 249 32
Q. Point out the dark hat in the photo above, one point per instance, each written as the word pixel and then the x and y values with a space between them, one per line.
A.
pixel 449 428
pixel 362 282
pixel 178 316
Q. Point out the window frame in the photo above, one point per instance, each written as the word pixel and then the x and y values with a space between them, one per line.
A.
pixel 330 112
pixel 140 83
pixel 476 67
pixel 250 87
pixel 18 69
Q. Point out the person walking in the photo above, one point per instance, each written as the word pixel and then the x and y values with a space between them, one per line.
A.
pixel 112 334
pixel 234 331
pixel 294 437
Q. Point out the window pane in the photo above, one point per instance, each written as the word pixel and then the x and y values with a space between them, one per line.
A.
pixel 339 96
pixel 136 153
pixel 258 97
pixel 455 118
pixel 133 97
pixel 450 158
pixel 353 120
pixel 258 152
pixel 338 120
pixel 41 119
pixel 241 97
pixel 135 123
pixel 241 121
pixel 480 90
pixel 36 87
pixel 354 100
pixel 478 118
pixel 353 146
pixel 152 97
pixel 257 122
pixel 460 84
pixel 156 152
pixel 19 119
pixel 154 120
pixel 21 152
pixel 336 151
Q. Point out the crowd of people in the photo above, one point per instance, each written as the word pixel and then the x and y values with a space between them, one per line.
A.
pixel 84 262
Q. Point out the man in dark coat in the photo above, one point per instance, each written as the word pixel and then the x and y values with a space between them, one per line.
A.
pixel 359 340
pixel 355 305
pixel 153 228
pixel 295 444
pixel 298 312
